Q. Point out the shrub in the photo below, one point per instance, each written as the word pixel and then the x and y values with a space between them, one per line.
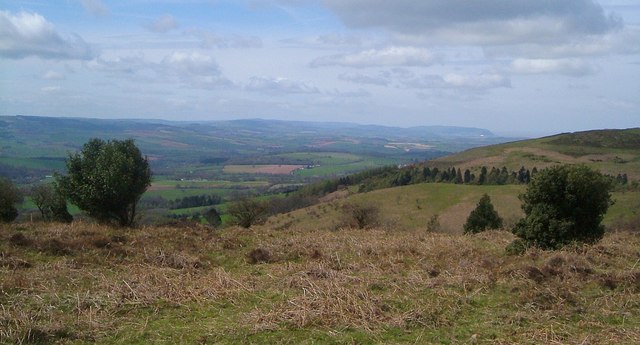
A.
pixel 433 224
pixel 483 217
pixel 9 196
pixel 51 203
pixel 213 217
pixel 362 215
pixel 247 212
pixel 564 204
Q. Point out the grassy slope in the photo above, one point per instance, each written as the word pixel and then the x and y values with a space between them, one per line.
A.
pixel 411 207
pixel 83 283
pixel 611 151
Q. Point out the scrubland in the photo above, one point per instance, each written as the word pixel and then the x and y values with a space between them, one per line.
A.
pixel 187 283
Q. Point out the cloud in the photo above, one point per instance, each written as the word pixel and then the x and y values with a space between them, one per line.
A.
pixel 482 81
pixel 569 67
pixel 488 21
pixel 191 69
pixel 53 75
pixel 50 89
pixel 381 79
pixel 391 56
pixel 163 24
pixel 615 42
pixel 212 40
pixel 279 86
pixel 29 34
pixel 95 7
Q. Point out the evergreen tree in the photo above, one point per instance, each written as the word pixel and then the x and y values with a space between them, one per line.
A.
pixel 483 217
pixel 467 176
pixel 563 204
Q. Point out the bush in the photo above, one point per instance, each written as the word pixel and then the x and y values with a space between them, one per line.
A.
pixel 9 196
pixel 483 217
pixel 564 204
pixel 213 217
pixel 362 215
pixel 51 203
pixel 247 212
pixel 106 180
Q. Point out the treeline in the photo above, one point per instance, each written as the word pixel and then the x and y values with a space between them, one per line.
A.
pixel 186 202
pixel 495 176
pixel 393 176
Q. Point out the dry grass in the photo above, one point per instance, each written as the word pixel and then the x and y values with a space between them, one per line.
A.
pixel 86 283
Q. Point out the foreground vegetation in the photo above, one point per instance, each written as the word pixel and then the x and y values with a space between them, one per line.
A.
pixel 83 283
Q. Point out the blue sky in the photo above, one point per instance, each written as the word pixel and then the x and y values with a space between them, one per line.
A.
pixel 525 67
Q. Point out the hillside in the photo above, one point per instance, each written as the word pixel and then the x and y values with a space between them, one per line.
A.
pixel 610 151
pixel 83 283
pixel 411 207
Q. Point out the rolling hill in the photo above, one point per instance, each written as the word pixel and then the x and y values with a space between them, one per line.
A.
pixel 32 147
pixel 610 151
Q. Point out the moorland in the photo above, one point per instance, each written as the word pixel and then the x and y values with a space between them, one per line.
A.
pixel 307 275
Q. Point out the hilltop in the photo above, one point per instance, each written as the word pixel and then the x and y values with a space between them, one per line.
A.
pixel 612 151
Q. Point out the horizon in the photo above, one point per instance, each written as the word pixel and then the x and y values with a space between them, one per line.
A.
pixel 507 135
pixel 533 69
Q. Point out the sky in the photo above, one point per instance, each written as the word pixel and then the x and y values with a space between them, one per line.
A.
pixel 516 67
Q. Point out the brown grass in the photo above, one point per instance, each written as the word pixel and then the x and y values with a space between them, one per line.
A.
pixel 88 283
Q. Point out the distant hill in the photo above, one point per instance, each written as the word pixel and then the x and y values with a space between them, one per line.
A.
pixel 612 151
pixel 36 146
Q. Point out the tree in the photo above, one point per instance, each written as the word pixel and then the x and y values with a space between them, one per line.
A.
pixel 106 180
pixel 9 196
pixel 247 212
pixel 213 217
pixel 51 203
pixel 563 204
pixel 483 217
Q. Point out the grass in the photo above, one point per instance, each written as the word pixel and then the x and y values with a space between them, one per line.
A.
pixel 83 283
pixel 611 152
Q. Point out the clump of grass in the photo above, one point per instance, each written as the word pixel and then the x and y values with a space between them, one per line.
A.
pixel 260 256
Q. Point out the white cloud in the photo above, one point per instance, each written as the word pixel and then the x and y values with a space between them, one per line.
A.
pixel 95 7
pixel 53 75
pixel 482 81
pixel 569 67
pixel 30 34
pixel 278 86
pixel 211 39
pixel 191 69
pixel 381 79
pixel 50 89
pixel 163 24
pixel 391 56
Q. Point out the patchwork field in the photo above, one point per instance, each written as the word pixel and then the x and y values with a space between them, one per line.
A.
pixel 270 169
